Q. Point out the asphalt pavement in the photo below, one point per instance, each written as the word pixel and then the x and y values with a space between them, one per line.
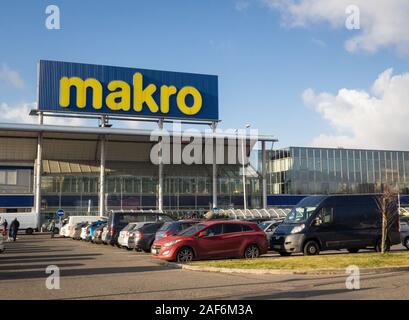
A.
pixel 90 271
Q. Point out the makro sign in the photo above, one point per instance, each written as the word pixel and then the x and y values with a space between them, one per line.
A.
pixel 96 89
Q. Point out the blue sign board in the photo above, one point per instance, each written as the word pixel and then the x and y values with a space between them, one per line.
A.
pixel 60 213
pixel 96 89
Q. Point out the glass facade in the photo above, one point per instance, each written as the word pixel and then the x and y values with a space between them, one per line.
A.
pixel 126 191
pixel 299 170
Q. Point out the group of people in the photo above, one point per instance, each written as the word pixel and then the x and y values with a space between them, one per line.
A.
pixel 14 226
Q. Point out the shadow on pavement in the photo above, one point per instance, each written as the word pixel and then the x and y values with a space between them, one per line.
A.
pixel 300 294
pixel 80 272
pixel 49 256
pixel 37 266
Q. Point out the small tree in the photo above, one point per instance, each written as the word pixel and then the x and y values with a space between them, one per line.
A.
pixel 387 208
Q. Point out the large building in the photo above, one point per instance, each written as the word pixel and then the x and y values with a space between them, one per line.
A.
pixel 307 170
pixel 70 174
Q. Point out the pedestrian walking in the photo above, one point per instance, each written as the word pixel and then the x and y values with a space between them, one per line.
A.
pixel 14 226
pixel 52 227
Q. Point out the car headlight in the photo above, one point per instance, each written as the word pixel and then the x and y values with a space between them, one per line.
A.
pixel 171 243
pixel 298 229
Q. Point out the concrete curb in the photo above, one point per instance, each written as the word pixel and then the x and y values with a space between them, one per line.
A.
pixel 287 272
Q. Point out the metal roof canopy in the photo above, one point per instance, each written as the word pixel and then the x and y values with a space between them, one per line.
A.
pixel 76 144
pixel 31 130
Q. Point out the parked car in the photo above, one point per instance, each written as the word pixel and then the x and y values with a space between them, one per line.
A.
pixel 318 223
pixel 73 220
pixel 124 235
pixel 269 227
pixel 76 230
pixel 174 227
pixel 213 239
pixel 105 236
pixel 144 236
pixel 97 236
pixel 404 231
pixel 45 227
pixel 119 219
pixel 84 231
pixel 93 226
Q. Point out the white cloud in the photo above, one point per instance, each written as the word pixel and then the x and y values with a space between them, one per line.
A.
pixel 11 77
pixel 360 119
pixel 19 113
pixel 383 23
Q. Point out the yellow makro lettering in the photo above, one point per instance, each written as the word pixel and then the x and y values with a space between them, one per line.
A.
pixel 142 95
pixel 121 91
pixel 165 93
pixel 81 87
pixel 181 100
pixel 119 95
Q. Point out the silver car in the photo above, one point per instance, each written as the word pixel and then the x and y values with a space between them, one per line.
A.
pixel 125 240
pixel 269 227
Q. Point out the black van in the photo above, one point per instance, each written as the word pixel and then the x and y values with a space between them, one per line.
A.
pixel 117 220
pixel 333 222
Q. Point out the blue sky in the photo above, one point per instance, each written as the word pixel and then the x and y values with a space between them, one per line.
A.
pixel 264 65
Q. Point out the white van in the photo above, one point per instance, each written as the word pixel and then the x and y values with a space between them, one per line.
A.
pixel 73 220
pixel 28 220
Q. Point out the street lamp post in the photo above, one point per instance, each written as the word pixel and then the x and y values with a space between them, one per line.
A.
pixel 244 172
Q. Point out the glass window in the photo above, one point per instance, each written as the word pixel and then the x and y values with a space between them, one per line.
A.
pixel 232 227
pixel 11 177
pixel 148 185
pixel 2 177
pixel 214 230
pixel 66 185
pixel 128 185
pixel 326 215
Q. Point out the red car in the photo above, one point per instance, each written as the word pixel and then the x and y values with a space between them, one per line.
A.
pixel 213 239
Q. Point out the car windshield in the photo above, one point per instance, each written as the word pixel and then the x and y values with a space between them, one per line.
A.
pixel 129 227
pixel 167 226
pixel 192 230
pixel 299 214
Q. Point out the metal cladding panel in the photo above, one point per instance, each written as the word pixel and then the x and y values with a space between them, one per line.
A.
pixel 51 72
pixel 127 151
pixel 16 201
pixel 54 149
pixel 17 149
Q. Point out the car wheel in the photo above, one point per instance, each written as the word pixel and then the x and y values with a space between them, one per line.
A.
pixel 251 252
pixel 406 242
pixel 150 248
pixel 184 255
pixel 378 247
pixel 284 254
pixel 29 231
pixel 311 248
pixel 353 250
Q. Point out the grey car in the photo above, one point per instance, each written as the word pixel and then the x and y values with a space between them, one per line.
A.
pixel 269 227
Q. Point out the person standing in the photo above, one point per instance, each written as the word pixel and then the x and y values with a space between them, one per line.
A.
pixel 52 227
pixel 14 225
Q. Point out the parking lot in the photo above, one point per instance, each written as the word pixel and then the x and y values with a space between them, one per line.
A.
pixel 90 271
